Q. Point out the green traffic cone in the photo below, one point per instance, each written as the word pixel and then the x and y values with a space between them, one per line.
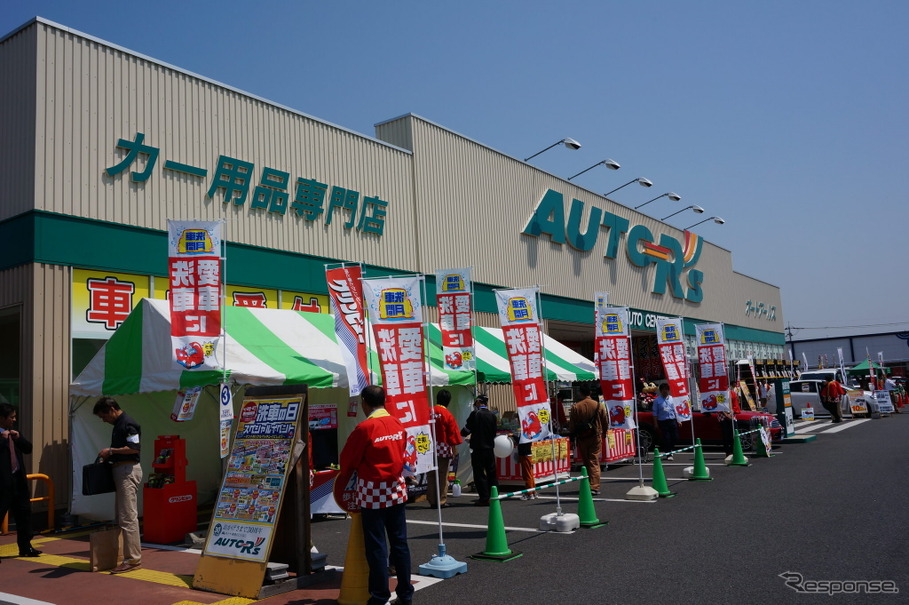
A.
pixel 586 513
pixel 700 467
pixel 659 477
pixel 738 457
pixel 759 450
pixel 496 542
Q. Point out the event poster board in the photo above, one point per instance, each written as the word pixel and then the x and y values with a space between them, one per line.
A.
pixel 857 401
pixel 249 502
pixel 253 486
pixel 884 404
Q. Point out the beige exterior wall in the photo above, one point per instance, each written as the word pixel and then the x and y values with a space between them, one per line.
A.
pixel 42 294
pixel 91 95
pixel 477 202
pixel 17 123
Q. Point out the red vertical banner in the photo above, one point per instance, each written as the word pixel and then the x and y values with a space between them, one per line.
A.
pixel 671 342
pixel 453 293
pixel 346 294
pixel 613 347
pixel 395 310
pixel 714 378
pixel 195 287
pixel 524 343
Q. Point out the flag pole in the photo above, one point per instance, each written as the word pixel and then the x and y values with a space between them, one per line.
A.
pixel 555 461
pixel 688 382
pixel 637 423
pixel 224 301
pixel 441 565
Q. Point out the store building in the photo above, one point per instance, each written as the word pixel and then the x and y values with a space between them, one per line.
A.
pixel 890 347
pixel 100 146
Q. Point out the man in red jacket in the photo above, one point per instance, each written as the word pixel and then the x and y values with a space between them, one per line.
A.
pixel 375 451
pixel 448 438
pixel 831 397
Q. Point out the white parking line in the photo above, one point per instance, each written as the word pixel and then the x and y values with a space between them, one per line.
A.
pixel 817 425
pixel 805 423
pixel 846 425
pixel 11 599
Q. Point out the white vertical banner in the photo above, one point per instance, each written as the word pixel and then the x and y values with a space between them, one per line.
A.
pixel 714 378
pixel 519 316
pixel 613 348
pixel 671 342
pixel 195 287
pixel 395 310
pixel 454 292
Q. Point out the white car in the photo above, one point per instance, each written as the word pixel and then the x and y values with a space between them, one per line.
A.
pixel 804 392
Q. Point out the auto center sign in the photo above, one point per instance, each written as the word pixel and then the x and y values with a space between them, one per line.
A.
pixel 640 320
pixel 674 260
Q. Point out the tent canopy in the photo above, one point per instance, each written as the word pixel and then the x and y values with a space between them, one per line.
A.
pixel 275 347
pixel 863 368
pixel 562 363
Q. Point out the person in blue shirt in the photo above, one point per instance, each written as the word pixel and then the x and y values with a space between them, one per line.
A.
pixel 665 416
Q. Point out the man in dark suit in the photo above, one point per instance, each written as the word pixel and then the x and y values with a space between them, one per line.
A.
pixel 481 426
pixel 14 493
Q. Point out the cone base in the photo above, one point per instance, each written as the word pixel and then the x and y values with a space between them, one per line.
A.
pixel 565 522
pixel 644 493
pixel 501 558
pixel 668 495
pixel 444 567
pixel 732 461
pixel 592 525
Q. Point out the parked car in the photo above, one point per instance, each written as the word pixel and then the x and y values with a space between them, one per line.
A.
pixel 707 429
pixel 803 392
pixel 823 374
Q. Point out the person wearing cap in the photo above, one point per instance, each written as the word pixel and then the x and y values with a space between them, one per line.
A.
pixel 481 427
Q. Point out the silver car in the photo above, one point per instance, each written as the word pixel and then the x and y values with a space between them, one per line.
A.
pixel 805 392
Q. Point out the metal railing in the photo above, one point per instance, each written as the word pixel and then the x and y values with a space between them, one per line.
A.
pixel 49 497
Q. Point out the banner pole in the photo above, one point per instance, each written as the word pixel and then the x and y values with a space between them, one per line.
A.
pixel 555 461
pixel 473 338
pixel 688 382
pixel 427 385
pixel 224 302
pixel 637 423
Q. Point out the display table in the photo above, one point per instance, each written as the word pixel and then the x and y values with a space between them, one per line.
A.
pixel 618 445
pixel 508 469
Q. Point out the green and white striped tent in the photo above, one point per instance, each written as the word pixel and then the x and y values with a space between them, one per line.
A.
pixel 263 347
pixel 275 347
pixel 562 363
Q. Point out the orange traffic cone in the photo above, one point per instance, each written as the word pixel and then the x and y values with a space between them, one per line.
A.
pixel 355 579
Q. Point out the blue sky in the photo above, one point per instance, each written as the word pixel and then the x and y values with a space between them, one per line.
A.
pixel 788 119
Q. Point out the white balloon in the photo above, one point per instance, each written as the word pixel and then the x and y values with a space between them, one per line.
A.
pixel 503 446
